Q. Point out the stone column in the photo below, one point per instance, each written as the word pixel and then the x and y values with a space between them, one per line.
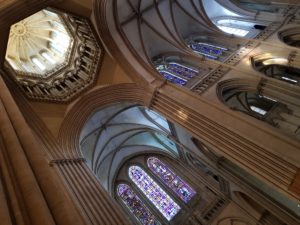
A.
pixel 41 193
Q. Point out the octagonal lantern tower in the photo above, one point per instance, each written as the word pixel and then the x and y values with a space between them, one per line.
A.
pixel 52 55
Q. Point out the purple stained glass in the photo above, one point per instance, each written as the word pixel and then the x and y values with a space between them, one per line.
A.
pixel 181 188
pixel 136 206
pixel 182 70
pixel 160 199
pixel 177 73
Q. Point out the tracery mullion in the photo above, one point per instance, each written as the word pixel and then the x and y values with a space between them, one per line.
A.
pixel 203 180
pixel 145 200
pixel 166 26
pixel 163 187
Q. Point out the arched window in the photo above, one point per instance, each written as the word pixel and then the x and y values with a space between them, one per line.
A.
pixel 239 27
pixel 251 99
pixel 176 72
pixel 276 67
pixel 174 182
pixel 253 104
pixel 160 194
pixel 208 50
pixel 158 197
pixel 291 36
pixel 136 206
pixel 38 63
pixel 234 27
pixel 48 57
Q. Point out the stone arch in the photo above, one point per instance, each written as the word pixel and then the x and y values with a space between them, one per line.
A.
pixel 263 100
pixel 69 132
pixel 290 36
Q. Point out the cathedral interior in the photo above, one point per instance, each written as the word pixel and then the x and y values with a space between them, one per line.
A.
pixel 152 112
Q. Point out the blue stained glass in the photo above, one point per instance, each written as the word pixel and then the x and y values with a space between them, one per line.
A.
pixel 209 51
pixel 182 70
pixel 177 73
pixel 136 206
pixel 162 201
pixel 182 189
pixel 171 77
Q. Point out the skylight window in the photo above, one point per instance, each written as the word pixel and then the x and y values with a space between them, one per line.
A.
pixel 38 63
pixel 258 110
pixel 235 31
pixel 48 57
pixel 30 43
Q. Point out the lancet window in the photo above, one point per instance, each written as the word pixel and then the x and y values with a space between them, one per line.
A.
pixel 177 73
pixel 235 27
pixel 239 27
pixel 136 206
pixel 181 189
pixel 154 193
pixel 208 50
pixel 158 197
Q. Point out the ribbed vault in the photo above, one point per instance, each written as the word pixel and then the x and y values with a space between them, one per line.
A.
pixel 120 131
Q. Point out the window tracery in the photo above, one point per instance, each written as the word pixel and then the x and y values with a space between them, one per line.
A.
pixel 177 73
pixel 158 197
pixel 136 206
pixel 208 50
pixel 234 26
pixel 174 182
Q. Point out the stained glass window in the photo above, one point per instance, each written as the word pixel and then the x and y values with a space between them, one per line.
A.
pixel 177 73
pixel 160 199
pixel 208 50
pixel 136 206
pixel 181 188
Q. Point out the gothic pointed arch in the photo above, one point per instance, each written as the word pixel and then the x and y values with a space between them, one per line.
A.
pixel 290 36
pixel 252 98
pixel 277 67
